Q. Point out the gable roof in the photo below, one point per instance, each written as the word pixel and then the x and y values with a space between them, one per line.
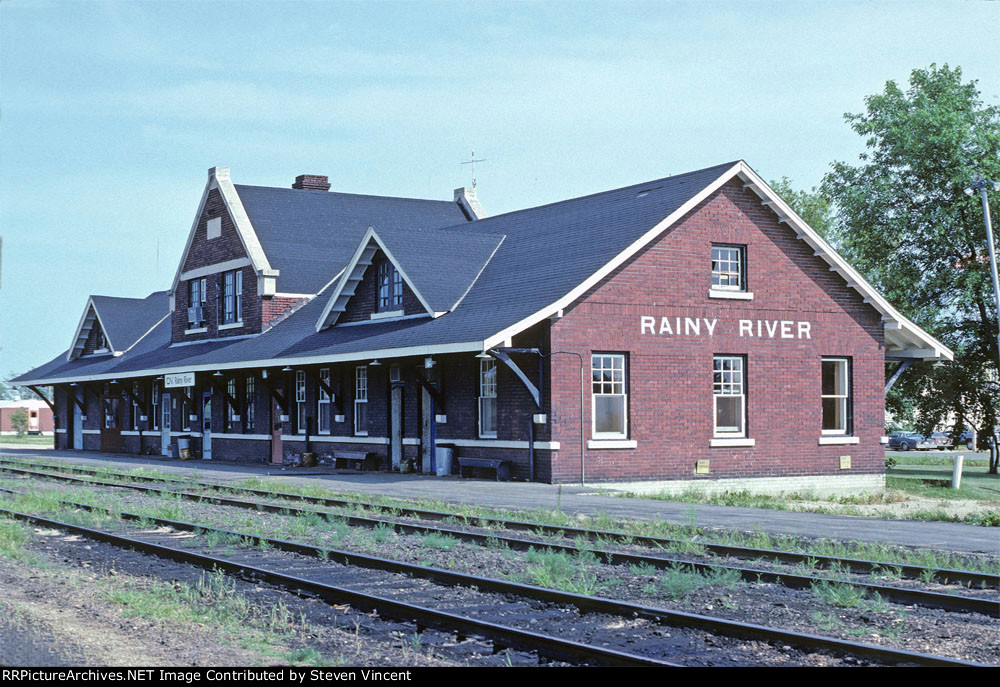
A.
pixel 123 320
pixel 542 260
pixel 439 266
pixel 309 236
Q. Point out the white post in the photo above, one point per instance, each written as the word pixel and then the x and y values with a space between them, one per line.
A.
pixel 956 473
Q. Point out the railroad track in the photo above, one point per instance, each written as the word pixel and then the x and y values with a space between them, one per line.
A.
pixel 919 597
pixel 942 575
pixel 490 597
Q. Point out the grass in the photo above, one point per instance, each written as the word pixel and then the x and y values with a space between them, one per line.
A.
pixel 575 573
pixel 686 538
pixel 215 601
pixel 680 580
pixel 13 540
pixel 26 440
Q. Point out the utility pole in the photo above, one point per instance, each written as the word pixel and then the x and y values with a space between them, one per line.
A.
pixel 981 184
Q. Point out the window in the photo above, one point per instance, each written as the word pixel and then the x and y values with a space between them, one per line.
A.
pixel 250 409
pixel 610 396
pixel 323 403
pixel 488 398
pixel 390 287
pixel 729 267
pixel 185 416
pixel 836 394
pixel 300 400
pixel 232 299
pixel 729 389
pixel 197 296
pixel 231 414
pixel 361 401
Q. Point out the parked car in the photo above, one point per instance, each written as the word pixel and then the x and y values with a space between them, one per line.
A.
pixel 904 441
pixel 940 440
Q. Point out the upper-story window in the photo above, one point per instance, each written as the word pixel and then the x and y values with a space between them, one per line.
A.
pixel 197 296
pixel 232 297
pixel 729 267
pixel 390 287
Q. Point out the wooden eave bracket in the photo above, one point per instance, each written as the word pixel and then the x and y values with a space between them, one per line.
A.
pixel 44 398
pixel 432 390
pixel 503 357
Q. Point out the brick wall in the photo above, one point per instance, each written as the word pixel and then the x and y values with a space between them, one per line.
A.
pixel 670 396
pixel 203 253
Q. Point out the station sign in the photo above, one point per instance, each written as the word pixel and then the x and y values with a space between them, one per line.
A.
pixel 178 380
pixel 702 326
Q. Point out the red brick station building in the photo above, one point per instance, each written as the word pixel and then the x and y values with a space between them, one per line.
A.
pixel 683 330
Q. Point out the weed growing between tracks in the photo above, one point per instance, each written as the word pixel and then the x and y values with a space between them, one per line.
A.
pixel 690 539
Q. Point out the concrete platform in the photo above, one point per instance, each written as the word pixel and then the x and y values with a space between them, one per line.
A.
pixel 573 499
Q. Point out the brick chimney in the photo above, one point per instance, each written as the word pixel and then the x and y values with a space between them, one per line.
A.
pixel 312 182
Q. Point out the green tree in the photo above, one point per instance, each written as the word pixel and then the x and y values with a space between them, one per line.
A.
pixel 19 421
pixel 903 220
pixel 812 206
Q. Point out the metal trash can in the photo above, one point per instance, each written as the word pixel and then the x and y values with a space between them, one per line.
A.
pixel 443 456
pixel 184 447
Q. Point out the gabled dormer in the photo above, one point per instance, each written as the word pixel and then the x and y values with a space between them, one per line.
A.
pixel 91 336
pixel 223 273
pixel 404 273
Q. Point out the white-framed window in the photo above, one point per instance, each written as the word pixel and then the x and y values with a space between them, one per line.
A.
pixel 197 297
pixel 488 398
pixel 361 401
pixel 300 400
pixel 609 406
pixel 250 405
pixel 729 394
pixel 323 403
pixel 156 406
pixel 729 267
pixel 231 413
pixel 390 287
pixel 836 395
pixel 185 416
pixel 232 298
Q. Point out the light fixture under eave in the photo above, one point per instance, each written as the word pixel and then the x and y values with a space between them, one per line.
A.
pixel 484 356
pixel 286 368
pixel 218 373
pixel 375 363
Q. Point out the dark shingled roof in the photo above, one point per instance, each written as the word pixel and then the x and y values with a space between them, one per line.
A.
pixel 442 264
pixel 127 319
pixel 545 253
pixel 310 235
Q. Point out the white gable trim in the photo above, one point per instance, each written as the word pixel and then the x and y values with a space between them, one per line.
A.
pixel 218 178
pixel 353 274
pixel 80 338
pixel 903 338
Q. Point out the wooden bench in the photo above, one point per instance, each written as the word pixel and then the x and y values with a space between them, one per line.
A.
pixel 502 467
pixel 358 460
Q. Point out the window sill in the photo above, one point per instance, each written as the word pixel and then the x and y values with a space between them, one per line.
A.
pixel 720 442
pixel 612 443
pixel 731 295
pixel 837 441
pixel 387 314
pixel 197 330
pixel 231 325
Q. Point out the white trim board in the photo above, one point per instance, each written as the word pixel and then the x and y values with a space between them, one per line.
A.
pixel 917 343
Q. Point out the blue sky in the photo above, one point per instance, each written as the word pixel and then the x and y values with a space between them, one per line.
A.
pixel 113 111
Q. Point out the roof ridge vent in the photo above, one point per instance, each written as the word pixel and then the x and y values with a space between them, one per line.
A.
pixel 312 182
